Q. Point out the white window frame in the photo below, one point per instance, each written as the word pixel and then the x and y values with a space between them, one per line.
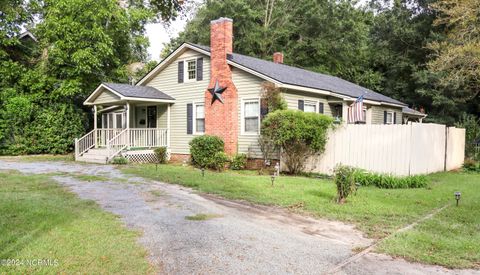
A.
pixel 242 115
pixel 310 102
pixel 194 123
pixel 185 70
pixel 391 113
pixel 106 120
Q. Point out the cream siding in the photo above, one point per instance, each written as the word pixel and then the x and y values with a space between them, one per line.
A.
pixel 248 87
pixel 162 116
pixel 292 98
pixel 106 97
pixel 377 114
pixel 184 93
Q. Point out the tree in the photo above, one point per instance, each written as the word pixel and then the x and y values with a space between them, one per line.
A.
pixel 80 44
pixel 398 37
pixel 299 135
pixel 324 36
pixel 456 60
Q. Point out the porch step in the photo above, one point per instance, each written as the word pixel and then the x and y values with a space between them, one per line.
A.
pixel 97 152
pixel 93 159
pixel 94 155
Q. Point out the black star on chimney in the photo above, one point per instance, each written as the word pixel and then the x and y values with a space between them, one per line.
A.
pixel 216 92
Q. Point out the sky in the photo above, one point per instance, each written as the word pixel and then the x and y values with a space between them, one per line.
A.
pixel 158 34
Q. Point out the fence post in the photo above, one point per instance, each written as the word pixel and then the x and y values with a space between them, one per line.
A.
pixel 446 150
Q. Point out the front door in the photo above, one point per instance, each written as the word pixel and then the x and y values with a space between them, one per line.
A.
pixel 152 117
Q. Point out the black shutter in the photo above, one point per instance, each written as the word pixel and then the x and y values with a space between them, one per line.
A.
pixel 189 118
pixel 199 68
pixel 384 117
pixel 300 104
pixel 394 117
pixel 180 72
pixel 320 107
pixel 263 108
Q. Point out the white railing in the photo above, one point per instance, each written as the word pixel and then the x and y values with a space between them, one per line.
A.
pixel 116 140
pixel 148 137
pixel 117 144
pixel 104 135
pixel 84 143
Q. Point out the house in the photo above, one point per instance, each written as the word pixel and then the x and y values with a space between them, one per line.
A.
pixel 200 90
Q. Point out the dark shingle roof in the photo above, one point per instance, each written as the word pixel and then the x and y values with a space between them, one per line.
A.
pixel 300 77
pixel 411 111
pixel 138 91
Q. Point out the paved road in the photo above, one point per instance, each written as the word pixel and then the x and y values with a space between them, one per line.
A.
pixel 237 238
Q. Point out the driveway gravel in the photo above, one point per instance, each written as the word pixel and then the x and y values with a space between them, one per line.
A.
pixel 233 238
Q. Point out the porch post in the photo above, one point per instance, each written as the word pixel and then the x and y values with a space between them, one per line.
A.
pixel 168 125
pixel 95 125
pixel 128 124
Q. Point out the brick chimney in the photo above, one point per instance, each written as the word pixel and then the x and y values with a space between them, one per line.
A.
pixel 278 57
pixel 221 119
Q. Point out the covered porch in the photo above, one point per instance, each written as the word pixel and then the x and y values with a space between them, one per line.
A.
pixel 126 118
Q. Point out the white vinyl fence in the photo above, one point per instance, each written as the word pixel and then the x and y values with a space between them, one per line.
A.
pixel 416 148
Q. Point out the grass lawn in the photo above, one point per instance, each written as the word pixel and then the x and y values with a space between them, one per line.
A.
pixel 33 158
pixel 41 220
pixel 449 239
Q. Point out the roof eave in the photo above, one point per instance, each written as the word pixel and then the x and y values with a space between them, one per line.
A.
pixel 122 98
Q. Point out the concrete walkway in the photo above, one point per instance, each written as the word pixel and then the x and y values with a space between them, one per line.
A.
pixel 229 237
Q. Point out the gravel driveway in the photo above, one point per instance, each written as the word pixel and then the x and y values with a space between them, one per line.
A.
pixel 230 237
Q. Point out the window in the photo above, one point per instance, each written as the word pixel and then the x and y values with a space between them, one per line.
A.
pixel 113 120
pixel 310 107
pixel 199 118
pixel 251 116
pixel 191 68
pixel 389 119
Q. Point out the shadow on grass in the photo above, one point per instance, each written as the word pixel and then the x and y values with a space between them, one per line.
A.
pixel 31 206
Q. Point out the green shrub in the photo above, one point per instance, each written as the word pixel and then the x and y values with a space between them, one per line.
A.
pixel 203 150
pixel 471 165
pixel 344 179
pixel 365 178
pixel 119 160
pixel 239 162
pixel 161 154
pixel 219 160
pixel 299 135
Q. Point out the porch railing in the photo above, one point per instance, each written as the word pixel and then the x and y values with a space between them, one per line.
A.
pixel 116 140
pixel 117 144
pixel 84 143
pixel 104 135
pixel 150 137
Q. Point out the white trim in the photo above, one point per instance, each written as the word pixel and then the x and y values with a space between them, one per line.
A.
pixel 27 33
pixel 167 60
pixel 242 116
pixel 149 99
pixel 194 118
pixel 97 90
pixel 122 98
pixel 392 122
pixel 311 102
pixel 186 78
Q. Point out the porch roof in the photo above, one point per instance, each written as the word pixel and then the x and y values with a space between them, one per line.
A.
pixel 125 92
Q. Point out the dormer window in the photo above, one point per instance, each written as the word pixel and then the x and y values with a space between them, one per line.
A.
pixel 191 69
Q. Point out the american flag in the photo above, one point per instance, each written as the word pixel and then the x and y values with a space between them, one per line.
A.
pixel 355 111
